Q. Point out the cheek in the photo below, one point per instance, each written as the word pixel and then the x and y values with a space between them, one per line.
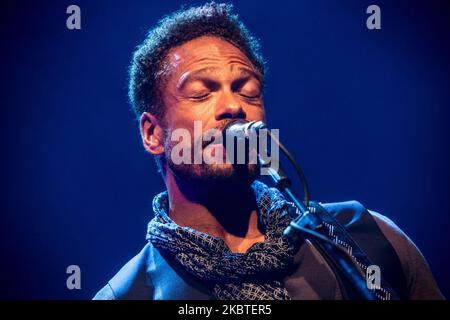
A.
pixel 184 112
pixel 189 111
pixel 256 113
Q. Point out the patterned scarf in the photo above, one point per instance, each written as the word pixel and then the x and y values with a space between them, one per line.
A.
pixel 254 275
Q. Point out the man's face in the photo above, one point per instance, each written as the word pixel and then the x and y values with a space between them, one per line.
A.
pixel 212 81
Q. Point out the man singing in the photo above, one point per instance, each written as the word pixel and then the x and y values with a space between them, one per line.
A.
pixel 217 231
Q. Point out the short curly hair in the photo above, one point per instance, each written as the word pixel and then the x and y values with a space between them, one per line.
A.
pixel 146 70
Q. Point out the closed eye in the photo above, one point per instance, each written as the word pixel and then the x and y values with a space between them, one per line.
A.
pixel 250 96
pixel 200 97
pixel 247 87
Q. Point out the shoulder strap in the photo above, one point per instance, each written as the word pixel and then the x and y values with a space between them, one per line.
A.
pixel 334 230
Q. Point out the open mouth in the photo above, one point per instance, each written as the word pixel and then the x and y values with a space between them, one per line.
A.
pixel 221 128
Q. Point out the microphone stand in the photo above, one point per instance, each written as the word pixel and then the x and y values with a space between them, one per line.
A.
pixel 305 225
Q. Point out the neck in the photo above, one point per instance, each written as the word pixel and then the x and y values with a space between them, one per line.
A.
pixel 224 212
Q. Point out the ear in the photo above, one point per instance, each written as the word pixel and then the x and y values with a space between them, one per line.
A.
pixel 152 134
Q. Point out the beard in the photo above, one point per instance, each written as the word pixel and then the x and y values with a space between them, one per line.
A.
pixel 215 175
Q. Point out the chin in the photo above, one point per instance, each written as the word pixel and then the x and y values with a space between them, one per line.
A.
pixel 217 174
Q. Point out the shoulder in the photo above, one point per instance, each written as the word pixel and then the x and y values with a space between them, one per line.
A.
pixel 131 282
pixel 347 212
pixel 420 281
pixel 387 245
pixel 376 234
pixel 356 217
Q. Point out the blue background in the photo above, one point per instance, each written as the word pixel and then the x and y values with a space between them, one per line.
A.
pixel 364 112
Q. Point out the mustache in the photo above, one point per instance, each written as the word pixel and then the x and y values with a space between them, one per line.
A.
pixel 221 126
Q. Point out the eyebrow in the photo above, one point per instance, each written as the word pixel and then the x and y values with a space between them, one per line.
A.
pixel 201 75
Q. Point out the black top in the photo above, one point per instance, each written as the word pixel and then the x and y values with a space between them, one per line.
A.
pixel 150 275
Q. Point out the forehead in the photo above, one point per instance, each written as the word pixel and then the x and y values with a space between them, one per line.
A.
pixel 205 52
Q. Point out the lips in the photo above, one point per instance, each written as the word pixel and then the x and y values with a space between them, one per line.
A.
pixel 221 127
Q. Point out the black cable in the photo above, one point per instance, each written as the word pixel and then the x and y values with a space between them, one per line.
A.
pixel 347 262
pixel 297 167
pixel 321 237
pixel 349 269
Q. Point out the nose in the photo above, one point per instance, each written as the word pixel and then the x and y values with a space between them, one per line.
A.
pixel 229 107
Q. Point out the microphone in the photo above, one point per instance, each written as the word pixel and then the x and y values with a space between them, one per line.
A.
pixel 242 129
pixel 240 138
